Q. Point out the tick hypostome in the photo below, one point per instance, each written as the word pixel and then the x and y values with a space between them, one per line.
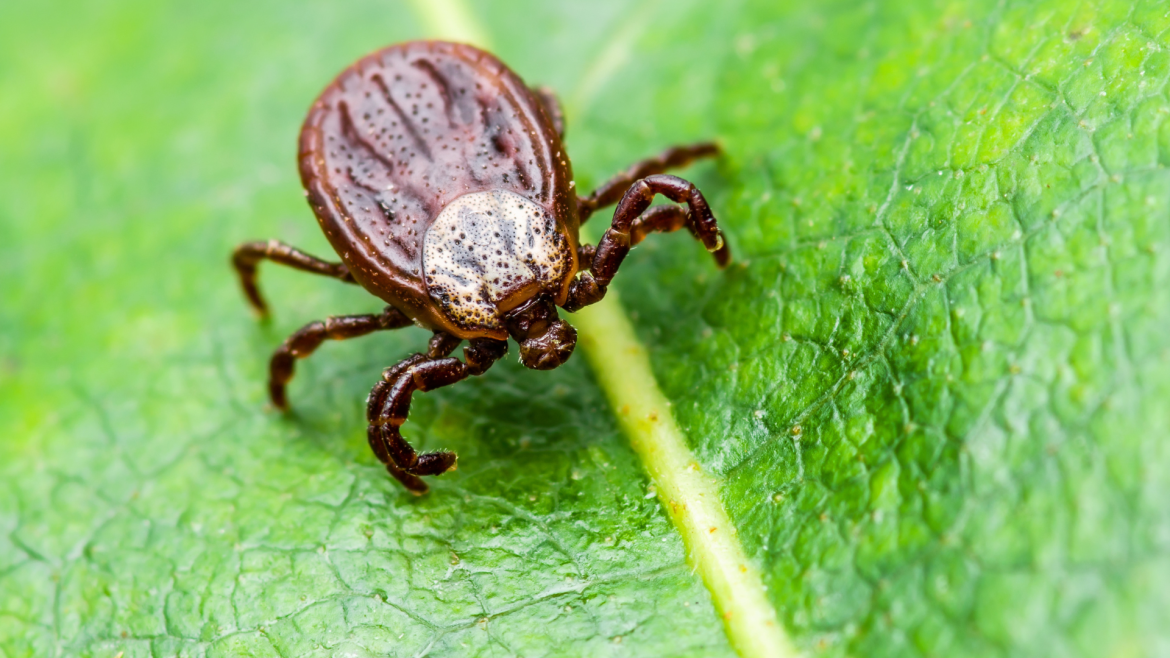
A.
pixel 441 180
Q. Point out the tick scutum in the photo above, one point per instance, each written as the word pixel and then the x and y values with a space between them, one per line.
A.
pixel 488 252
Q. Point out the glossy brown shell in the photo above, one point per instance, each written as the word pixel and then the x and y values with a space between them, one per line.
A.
pixel 403 132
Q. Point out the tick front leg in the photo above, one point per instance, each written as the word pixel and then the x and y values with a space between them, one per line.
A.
pixel 632 221
pixel 247 256
pixel 659 219
pixel 612 190
pixel 305 341
pixel 667 219
pixel 389 405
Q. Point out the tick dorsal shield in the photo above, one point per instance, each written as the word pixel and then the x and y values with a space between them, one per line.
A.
pixel 485 247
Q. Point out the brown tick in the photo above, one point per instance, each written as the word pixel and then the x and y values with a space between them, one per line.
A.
pixel 441 180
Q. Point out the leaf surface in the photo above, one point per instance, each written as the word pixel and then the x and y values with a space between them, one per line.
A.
pixel 933 384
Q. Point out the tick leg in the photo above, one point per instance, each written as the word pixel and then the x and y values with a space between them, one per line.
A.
pixel 585 255
pixel 672 158
pixel 248 255
pixel 552 105
pixel 659 219
pixel 632 221
pixel 389 405
pixel 305 341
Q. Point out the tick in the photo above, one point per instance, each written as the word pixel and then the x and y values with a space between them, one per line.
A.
pixel 441 181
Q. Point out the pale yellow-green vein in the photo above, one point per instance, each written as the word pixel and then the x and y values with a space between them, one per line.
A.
pixel 691 497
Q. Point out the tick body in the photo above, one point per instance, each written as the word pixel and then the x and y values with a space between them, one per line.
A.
pixel 441 181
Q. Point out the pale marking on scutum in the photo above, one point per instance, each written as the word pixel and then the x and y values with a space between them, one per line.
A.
pixel 486 245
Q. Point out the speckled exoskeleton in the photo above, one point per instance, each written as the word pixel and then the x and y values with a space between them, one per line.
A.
pixel 441 180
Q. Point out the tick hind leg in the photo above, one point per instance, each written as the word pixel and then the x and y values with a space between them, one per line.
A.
pixel 306 340
pixel 248 255
pixel 633 221
pixel 389 404
pixel 612 190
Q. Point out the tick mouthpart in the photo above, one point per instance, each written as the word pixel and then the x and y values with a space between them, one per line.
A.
pixel 545 340
pixel 549 349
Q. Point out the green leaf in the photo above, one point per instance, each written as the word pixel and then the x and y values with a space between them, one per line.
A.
pixel 932 386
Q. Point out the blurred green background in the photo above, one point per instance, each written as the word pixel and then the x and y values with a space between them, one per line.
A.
pixel 934 384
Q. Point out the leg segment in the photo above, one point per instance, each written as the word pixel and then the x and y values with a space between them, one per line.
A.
pixel 248 255
pixel 389 405
pixel 612 190
pixel 305 341
pixel 552 105
pixel 632 222
pixel 667 219
pixel 659 219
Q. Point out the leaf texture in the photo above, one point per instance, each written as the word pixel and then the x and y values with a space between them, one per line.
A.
pixel 933 384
